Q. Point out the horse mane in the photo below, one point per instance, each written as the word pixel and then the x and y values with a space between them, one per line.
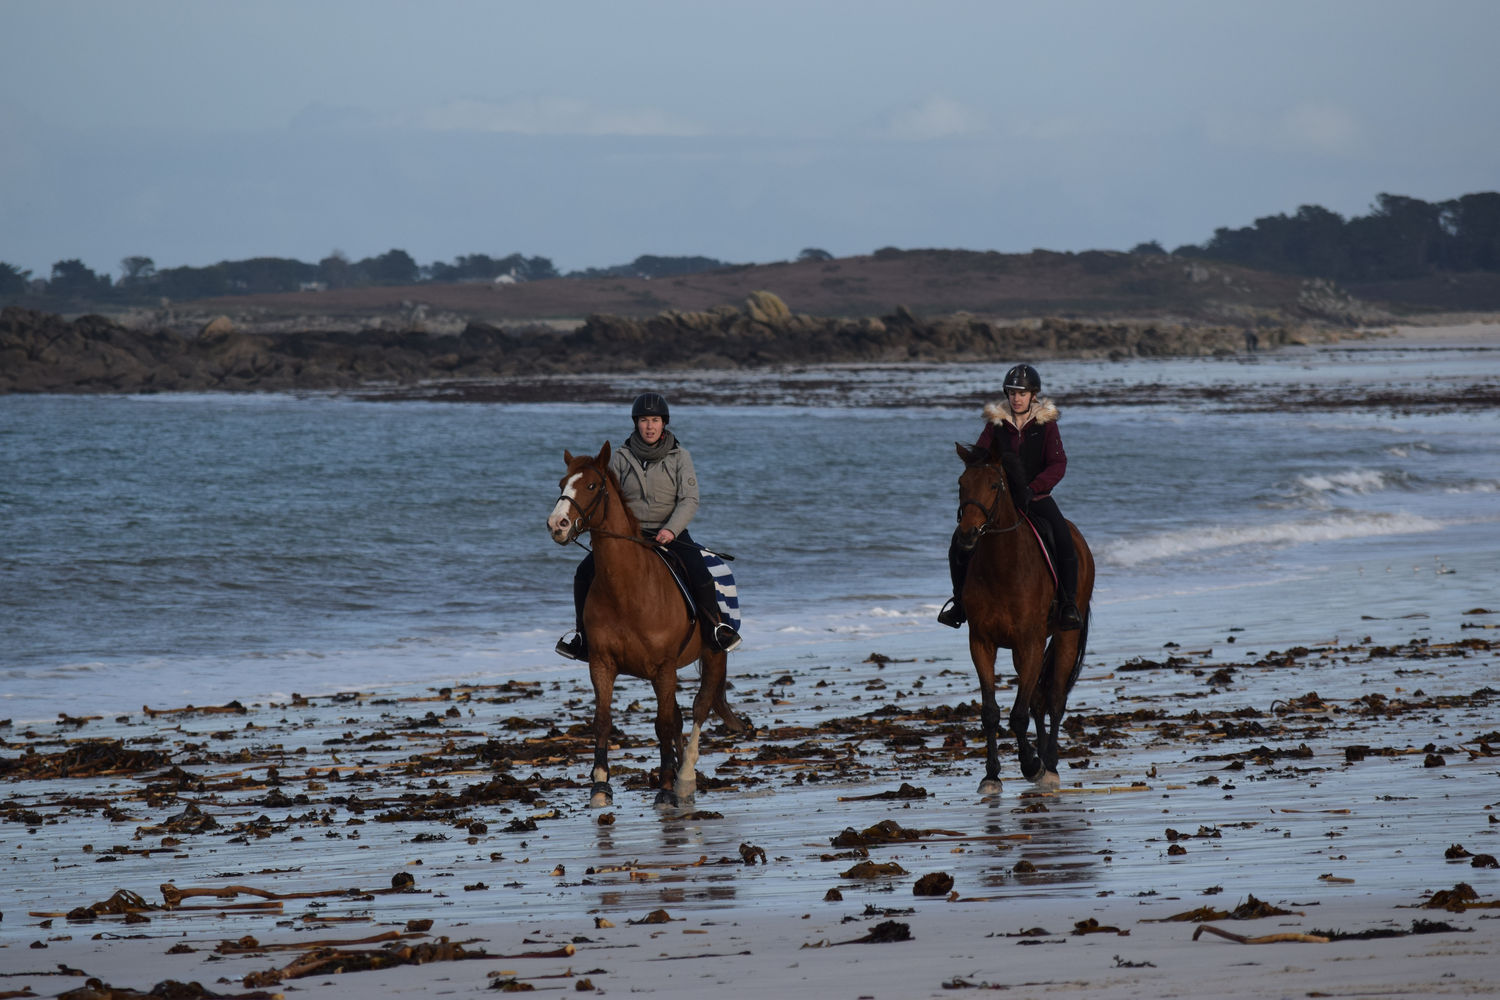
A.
pixel 612 482
pixel 632 523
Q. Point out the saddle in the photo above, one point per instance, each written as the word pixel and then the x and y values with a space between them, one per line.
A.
pixel 726 594
pixel 1044 536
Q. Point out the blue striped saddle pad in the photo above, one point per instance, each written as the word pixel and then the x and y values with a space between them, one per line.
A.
pixel 728 594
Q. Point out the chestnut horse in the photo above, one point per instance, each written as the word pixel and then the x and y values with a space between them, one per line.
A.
pixel 636 623
pixel 1007 594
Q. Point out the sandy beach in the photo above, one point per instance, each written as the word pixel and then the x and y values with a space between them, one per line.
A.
pixel 1457 331
pixel 1281 795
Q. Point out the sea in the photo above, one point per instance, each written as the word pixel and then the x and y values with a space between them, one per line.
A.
pixel 192 549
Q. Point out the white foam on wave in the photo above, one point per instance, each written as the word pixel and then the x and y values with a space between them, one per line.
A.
pixel 1348 481
pixel 1177 544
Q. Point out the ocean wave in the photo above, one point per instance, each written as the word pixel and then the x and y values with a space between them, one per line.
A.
pixel 1349 481
pixel 1178 544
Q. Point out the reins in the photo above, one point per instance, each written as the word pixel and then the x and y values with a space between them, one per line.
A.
pixel 988 527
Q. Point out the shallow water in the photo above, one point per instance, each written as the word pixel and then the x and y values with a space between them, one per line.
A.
pixel 202 548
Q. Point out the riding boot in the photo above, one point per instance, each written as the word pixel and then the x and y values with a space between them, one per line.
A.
pixel 1068 618
pixel 952 614
pixel 718 633
pixel 575 646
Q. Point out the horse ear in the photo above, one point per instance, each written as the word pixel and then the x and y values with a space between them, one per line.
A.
pixel 964 452
pixel 567 457
pixel 603 457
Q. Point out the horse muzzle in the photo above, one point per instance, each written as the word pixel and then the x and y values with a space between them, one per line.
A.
pixel 967 538
pixel 561 526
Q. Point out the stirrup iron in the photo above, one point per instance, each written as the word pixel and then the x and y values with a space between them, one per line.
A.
pixel 726 638
pixel 573 646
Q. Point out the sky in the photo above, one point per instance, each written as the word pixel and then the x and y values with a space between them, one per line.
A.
pixel 591 133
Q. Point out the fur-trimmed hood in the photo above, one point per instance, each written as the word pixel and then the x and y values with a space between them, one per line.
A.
pixel 1043 411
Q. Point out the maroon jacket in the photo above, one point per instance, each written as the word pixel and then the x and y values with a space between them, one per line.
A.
pixel 1039 445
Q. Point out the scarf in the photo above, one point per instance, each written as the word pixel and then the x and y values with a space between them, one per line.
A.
pixel 648 453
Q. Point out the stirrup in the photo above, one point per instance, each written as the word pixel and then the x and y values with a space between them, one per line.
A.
pixel 952 614
pixel 725 638
pixel 572 646
pixel 1068 618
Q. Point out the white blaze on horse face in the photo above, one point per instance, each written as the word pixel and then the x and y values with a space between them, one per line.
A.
pixel 560 522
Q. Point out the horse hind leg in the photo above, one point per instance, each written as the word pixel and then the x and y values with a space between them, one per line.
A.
pixel 686 786
pixel 710 700
pixel 713 693
pixel 1060 668
pixel 1027 659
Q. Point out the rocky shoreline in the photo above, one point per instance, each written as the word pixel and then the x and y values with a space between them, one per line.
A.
pixel 46 353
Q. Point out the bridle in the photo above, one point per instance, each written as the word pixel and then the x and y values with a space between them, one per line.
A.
pixel 581 523
pixel 988 527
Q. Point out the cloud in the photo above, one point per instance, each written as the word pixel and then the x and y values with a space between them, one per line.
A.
pixel 933 118
pixel 549 115
pixel 1317 127
pixel 1320 127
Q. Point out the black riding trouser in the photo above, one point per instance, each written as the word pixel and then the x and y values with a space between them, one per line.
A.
pixel 700 581
pixel 1066 555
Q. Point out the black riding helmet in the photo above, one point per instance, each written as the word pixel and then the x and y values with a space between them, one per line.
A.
pixel 1023 377
pixel 650 404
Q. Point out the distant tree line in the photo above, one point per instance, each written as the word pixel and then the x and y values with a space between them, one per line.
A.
pixel 650 266
pixel 73 284
pixel 141 281
pixel 1401 238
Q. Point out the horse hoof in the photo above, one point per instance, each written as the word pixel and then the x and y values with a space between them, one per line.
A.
pixel 601 795
pixel 989 786
pixel 1048 781
pixel 666 799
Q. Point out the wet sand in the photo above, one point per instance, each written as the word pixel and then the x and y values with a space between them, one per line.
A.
pixel 1466 332
pixel 1331 789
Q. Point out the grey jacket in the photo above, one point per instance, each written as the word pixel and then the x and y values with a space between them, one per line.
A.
pixel 663 495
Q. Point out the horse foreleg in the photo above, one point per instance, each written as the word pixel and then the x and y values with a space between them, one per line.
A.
pixel 668 735
pixel 1026 657
pixel 983 656
pixel 601 794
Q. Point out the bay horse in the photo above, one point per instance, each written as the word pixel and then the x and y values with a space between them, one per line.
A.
pixel 1008 593
pixel 636 623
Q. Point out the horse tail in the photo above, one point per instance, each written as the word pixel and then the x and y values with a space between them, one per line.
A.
pixel 1083 645
pixel 1049 659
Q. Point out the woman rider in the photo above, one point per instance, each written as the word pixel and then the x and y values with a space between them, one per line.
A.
pixel 660 488
pixel 1024 427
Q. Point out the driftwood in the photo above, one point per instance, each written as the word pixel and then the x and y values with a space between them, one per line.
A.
pixel 174 895
pixel 332 961
pixel 1260 939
